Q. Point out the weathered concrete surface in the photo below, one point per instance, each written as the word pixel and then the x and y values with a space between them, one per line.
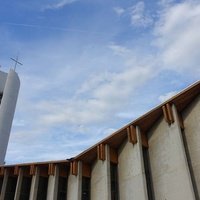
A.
pixel 132 181
pixel 19 184
pixel 3 189
pixel 34 185
pixel 52 189
pixel 100 179
pixel 169 167
pixel 74 185
pixel 191 118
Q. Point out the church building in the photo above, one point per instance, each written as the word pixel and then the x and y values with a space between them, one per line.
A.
pixel 155 157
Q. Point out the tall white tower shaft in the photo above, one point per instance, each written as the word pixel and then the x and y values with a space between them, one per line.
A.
pixel 9 89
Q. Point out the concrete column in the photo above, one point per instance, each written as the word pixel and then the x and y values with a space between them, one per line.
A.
pixel 100 178
pixel 132 180
pixel 5 180
pixel 74 185
pixel 18 186
pixel 142 192
pixel 169 168
pixel 52 189
pixel 186 166
pixel 34 184
pixel 191 118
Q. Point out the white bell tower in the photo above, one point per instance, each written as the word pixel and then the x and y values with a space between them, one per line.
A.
pixel 9 89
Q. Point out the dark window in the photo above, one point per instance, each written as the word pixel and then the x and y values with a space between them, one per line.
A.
pixel 1 96
pixel 85 188
pixel 10 188
pixel 1 183
pixel 148 173
pixel 114 181
pixel 25 188
pixel 62 188
pixel 42 188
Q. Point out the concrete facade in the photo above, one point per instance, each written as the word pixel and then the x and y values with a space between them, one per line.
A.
pixel 74 184
pixel 52 190
pixel 170 174
pixel 34 184
pixel 9 89
pixel 155 157
pixel 191 118
pixel 100 178
pixel 18 186
pixel 132 180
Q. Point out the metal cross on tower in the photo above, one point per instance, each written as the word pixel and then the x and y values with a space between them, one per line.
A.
pixel 16 62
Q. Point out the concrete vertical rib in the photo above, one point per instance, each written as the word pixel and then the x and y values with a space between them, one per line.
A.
pixel 100 178
pixel 169 168
pixel 187 170
pixel 143 185
pixel 34 184
pixel 132 180
pixel 52 190
pixel 74 184
pixel 7 109
pixel 19 184
pixel 191 119
pixel 5 180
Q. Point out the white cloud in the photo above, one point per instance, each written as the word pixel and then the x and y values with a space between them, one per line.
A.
pixel 18 123
pixel 178 37
pixel 119 11
pixel 93 82
pixel 166 3
pixel 59 4
pixel 124 115
pixel 120 50
pixel 167 96
pixel 66 96
pixel 106 98
pixel 80 91
pixel 139 16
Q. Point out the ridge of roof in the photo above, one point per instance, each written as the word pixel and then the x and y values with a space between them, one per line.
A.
pixel 136 121
pixel 37 163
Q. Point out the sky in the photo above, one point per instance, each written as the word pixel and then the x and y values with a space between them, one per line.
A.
pixel 92 66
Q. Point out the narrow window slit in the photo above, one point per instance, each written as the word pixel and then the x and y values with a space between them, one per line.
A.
pixel 147 168
pixel 10 187
pixel 114 181
pixel 62 188
pixel 42 188
pixel 25 188
pixel 85 188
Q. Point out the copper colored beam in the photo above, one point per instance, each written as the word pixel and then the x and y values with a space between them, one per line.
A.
pixel 74 168
pixel 16 170
pixel 101 154
pixel 51 169
pixel 168 113
pixel 132 137
pixel 32 170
